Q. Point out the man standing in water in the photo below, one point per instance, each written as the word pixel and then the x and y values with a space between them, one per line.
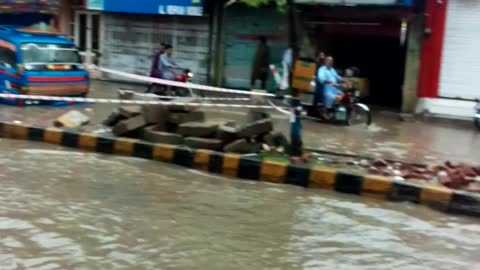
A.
pixel 260 65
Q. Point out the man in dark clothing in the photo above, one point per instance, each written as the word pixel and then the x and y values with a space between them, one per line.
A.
pixel 155 69
pixel 261 62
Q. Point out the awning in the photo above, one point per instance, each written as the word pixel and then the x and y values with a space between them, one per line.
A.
pixel 30 6
pixel 406 3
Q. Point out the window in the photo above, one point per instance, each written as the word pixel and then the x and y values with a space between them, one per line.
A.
pixel 7 58
pixel 34 53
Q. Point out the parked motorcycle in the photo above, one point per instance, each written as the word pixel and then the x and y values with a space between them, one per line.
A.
pixel 185 76
pixel 476 118
pixel 347 111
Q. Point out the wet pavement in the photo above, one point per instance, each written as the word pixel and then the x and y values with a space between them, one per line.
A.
pixel 426 141
pixel 65 209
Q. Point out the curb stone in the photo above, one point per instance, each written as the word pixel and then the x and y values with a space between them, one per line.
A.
pixel 378 187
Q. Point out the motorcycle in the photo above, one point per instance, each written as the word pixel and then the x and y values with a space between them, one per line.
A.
pixel 476 118
pixel 348 110
pixel 185 76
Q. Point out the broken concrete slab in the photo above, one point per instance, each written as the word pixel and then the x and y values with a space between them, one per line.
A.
pixel 72 119
pixel 253 116
pixel 152 134
pixel 276 139
pixel 183 107
pixel 126 126
pixel 113 119
pixel 125 94
pixel 222 122
pixel 203 143
pixel 197 129
pixel 227 134
pixel 240 146
pixel 256 128
pixel 129 111
pixel 132 95
pixel 155 114
pixel 180 118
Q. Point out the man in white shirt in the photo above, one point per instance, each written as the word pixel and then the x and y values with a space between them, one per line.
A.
pixel 328 77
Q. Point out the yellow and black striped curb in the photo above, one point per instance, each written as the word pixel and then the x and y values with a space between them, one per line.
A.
pixel 450 201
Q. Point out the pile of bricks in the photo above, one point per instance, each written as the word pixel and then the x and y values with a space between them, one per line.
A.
pixel 186 125
pixel 460 176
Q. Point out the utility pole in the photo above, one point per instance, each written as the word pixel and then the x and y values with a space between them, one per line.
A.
pixel 292 36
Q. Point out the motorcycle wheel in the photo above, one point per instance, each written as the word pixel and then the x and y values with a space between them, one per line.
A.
pixel 360 114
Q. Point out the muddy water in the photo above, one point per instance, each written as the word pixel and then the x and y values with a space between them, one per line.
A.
pixel 70 210
pixel 422 141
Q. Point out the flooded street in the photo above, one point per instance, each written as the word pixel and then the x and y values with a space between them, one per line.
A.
pixel 62 209
pixel 421 141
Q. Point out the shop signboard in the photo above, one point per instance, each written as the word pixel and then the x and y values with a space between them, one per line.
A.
pixel 162 7
pixel 407 3
pixel 95 4
pixel 29 6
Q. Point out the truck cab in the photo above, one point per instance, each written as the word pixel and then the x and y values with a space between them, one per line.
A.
pixel 36 62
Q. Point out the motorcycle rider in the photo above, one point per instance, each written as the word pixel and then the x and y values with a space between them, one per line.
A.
pixel 155 69
pixel 329 81
pixel 168 66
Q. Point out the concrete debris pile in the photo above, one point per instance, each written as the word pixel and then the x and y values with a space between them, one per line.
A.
pixel 452 175
pixel 186 125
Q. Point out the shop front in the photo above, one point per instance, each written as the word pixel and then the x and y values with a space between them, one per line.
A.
pixel 25 13
pixel 126 33
pixel 243 27
pixel 450 59
pixel 368 37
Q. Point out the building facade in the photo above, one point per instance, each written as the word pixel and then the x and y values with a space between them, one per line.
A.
pixel 28 12
pixel 450 58
pixel 123 35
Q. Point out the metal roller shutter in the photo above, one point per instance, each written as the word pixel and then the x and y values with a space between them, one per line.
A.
pixel 131 39
pixel 460 69
pixel 243 26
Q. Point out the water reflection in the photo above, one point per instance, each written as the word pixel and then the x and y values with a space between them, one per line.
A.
pixel 71 210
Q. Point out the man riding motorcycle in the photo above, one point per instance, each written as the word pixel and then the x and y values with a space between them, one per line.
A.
pixel 328 87
pixel 155 69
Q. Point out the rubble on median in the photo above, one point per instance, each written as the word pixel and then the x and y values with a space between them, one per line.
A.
pixel 186 125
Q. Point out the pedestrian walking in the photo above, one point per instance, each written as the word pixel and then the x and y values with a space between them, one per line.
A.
pixel 260 65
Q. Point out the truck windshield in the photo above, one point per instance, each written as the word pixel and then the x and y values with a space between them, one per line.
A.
pixel 41 54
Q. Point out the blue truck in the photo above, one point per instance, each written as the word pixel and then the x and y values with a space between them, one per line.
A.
pixel 38 62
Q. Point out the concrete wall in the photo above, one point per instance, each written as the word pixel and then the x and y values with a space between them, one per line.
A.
pixel 64 18
pixel 412 64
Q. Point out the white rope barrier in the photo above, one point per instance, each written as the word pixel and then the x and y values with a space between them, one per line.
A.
pixel 136 102
pixel 181 84
pixel 197 97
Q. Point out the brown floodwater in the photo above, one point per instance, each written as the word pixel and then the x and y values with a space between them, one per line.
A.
pixel 64 209
pixel 422 141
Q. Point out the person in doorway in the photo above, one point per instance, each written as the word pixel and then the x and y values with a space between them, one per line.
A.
pixel 168 66
pixel 328 78
pixel 260 65
pixel 155 68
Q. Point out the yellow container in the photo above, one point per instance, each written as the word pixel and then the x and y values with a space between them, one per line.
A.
pixel 303 74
